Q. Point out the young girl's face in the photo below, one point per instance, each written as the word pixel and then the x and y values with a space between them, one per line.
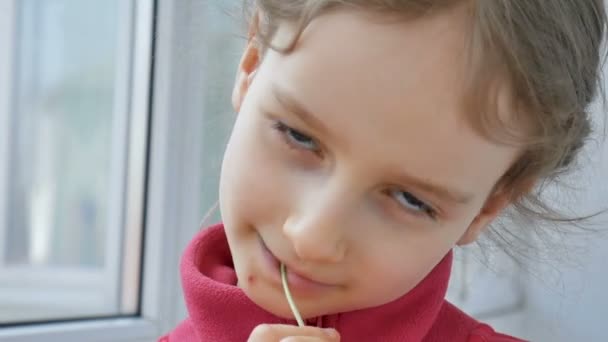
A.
pixel 352 162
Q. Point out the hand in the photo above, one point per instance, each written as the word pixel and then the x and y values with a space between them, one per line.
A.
pixel 292 333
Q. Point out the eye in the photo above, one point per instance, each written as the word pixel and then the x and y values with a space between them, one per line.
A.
pixel 296 139
pixel 413 204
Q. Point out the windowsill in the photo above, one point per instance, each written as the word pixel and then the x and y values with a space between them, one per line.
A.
pixel 119 329
pixel 25 305
pixel 39 294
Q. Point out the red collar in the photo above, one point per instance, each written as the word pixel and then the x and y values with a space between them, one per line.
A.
pixel 220 311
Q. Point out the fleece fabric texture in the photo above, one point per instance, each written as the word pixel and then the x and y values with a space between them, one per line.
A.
pixel 219 311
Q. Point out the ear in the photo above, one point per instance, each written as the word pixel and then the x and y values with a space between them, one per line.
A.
pixel 247 68
pixel 494 205
pixel 492 208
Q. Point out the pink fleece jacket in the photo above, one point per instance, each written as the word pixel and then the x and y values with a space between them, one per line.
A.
pixel 219 311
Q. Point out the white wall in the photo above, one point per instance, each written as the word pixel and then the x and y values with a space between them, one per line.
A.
pixel 570 303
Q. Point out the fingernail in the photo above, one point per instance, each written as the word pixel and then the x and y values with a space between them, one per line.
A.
pixel 331 332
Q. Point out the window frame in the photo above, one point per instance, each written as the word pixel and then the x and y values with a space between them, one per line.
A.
pixel 165 89
pixel 7 10
pixel 72 283
pixel 17 278
pixel 145 325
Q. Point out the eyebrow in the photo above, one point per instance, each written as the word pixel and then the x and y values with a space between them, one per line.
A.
pixel 292 105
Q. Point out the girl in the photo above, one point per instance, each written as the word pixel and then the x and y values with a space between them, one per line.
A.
pixel 372 138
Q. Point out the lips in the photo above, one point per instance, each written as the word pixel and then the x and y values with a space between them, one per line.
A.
pixel 298 281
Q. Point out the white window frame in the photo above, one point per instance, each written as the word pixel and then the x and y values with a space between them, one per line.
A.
pixel 126 212
pixel 72 286
pixel 172 202
pixel 6 61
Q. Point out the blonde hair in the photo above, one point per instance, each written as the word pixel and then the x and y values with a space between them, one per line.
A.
pixel 548 51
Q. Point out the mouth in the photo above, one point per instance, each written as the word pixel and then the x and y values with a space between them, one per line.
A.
pixel 299 282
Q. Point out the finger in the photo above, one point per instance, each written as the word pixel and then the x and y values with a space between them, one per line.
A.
pixel 276 332
pixel 304 339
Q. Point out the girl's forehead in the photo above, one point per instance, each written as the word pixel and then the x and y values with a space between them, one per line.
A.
pixel 384 64
pixel 389 94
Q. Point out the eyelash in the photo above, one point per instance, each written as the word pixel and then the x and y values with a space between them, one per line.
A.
pixel 419 206
pixel 293 139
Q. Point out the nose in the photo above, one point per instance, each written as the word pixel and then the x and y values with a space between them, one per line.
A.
pixel 318 231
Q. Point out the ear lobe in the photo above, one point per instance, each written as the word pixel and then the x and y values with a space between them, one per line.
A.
pixel 476 227
pixel 251 77
pixel 492 208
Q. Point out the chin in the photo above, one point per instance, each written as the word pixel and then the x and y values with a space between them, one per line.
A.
pixel 275 303
pixel 270 301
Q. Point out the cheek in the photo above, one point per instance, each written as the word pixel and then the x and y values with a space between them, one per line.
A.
pixel 251 185
pixel 383 280
pixel 392 267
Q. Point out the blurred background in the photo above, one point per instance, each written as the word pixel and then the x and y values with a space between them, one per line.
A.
pixel 113 119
